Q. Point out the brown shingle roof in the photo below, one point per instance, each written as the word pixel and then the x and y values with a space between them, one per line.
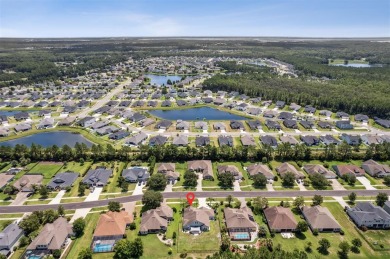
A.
pixel 112 224
pixel 286 167
pixel 152 221
pixel 319 217
pixel 203 166
pixel 199 214
pixel 280 218
pixel 239 218
pixel 255 169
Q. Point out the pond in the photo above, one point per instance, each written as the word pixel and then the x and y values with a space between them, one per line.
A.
pixel 192 114
pixel 356 65
pixel 162 79
pixel 47 139
pixel 10 113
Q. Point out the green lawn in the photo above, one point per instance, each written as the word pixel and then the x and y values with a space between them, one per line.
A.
pixel 47 169
pixel 113 185
pixel 85 240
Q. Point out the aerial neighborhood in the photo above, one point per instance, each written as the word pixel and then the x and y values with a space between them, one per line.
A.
pixel 99 164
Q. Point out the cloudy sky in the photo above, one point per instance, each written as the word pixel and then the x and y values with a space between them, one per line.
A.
pixel 98 18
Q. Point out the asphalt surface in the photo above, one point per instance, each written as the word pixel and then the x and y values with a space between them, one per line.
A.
pixel 178 195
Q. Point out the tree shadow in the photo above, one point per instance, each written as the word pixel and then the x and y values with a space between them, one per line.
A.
pixel 300 235
pixel 323 252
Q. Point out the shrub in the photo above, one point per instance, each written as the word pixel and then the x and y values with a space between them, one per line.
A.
pixel 364 228
pixel 342 232
pixel 133 226
pixel 174 209
pixel 276 178
pixel 183 255
pixel 170 251
pixel 315 232
pixel 299 163
pixel 326 165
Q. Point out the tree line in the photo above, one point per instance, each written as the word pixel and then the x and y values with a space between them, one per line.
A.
pixel 168 152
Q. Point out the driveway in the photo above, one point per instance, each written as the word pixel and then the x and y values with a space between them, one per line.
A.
pixel 270 187
pixel 138 189
pixel 20 198
pixel 301 187
pixel 57 199
pixel 336 185
pixel 365 182
pixel 341 201
pixel 236 186
pixel 199 185
pixel 92 196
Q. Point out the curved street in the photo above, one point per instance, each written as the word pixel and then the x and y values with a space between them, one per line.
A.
pixel 178 195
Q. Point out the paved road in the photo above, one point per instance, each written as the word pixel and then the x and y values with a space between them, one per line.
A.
pixel 204 194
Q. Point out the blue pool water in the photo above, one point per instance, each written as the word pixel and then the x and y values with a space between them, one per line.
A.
pixel 99 248
pixel 241 236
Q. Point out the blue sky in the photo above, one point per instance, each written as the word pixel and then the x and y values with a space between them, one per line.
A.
pixel 96 18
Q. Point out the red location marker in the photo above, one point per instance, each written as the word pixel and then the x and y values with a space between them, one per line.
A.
pixel 190 197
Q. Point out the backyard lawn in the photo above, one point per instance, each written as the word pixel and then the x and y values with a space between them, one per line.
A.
pixel 47 169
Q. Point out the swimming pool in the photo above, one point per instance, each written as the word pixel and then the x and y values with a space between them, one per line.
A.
pixel 100 248
pixel 241 236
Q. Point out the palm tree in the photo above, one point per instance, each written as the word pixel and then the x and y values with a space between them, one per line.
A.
pixel 229 199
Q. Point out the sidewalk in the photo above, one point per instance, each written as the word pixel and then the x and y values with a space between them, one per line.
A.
pixel 57 199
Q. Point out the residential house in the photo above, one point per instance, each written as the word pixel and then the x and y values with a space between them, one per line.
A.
pixel 182 125
pixel 320 219
pixel 53 236
pixel 375 169
pixel 86 122
pixel 197 220
pixel 291 124
pixel 67 121
pixel 326 113
pixel 27 182
pixel 285 116
pixel 325 125
pixel 8 238
pixel 369 139
pixel 362 118
pixel 307 124
pixel 284 168
pixel 62 181
pixel 311 169
pixel 341 170
pixel 157 140
pixel 382 122
pixel 146 122
pixel 181 140
pixel 202 141
pixel 137 117
pixel 280 219
pixel 270 114
pixel 344 125
pixel 240 223
pixel 154 221
pixel 97 177
pixel 255 169
pixel 202 166
pixel 21 116
pixel 342 115
pixel 254 125
pixel 169 170
pixel 295 107
pixel 136 174
pixel 280 104
pixel 201 125
pixel 353 140
pixel 254 111
pixel 229 169
pixel 110 228
pixel 137 139
pixel 310 109
pixel 22 127
pixel 247 140
pixel 5 179
pixel 121 134
pixel 237 125
pixel 269 140
pixel 225 140
pixel 164 124
pixel 368 215
pixel 289 139
pixel 219 126
pixel 310 140
pixel 329 139
pixel 272 125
